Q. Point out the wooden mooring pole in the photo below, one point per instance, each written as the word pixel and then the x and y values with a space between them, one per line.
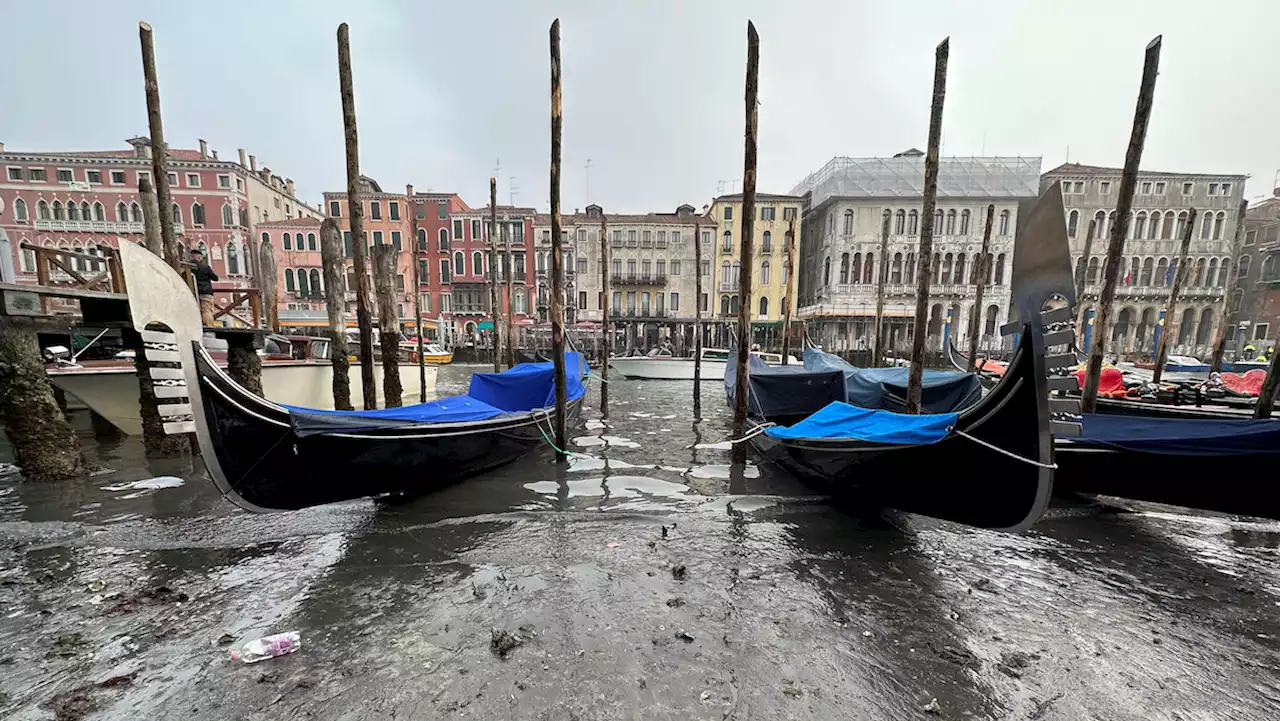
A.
pixel 159 149
pixel 557 272
pixel 878 349
pixel 1171 307
pixel 1082 282
pixel 268 284
pixel 356 213
pixel 606 327
pixel 743 381
pixel 151 233
pixel 495 314
pixel 924 274
pixel 417 299
pixel 44 444
pixel 508 265
pixel 975 316
pixel 789 282
pixel 335 304
pixel 384 278
pixel 1115 247
pixel 697 319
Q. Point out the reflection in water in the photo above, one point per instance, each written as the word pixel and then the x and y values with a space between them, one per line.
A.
pixel 650 575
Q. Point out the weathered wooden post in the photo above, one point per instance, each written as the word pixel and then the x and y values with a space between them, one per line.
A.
pixel 1082 281
pixel 980 269
pixel 268 280
pixel 1267 396
pixel 417 299
pixel 44 444
pixel 557 280
pixel 606 329
pixel 154 238
pixel 1171 307
pixel 331 255
pixel 1220 337
pixel 789 299
pixel 384 274
pixel 243 364
pixel 878 349
pixel 697 317
pixel 356 213
pixel 1115 247
pixel 924 273
pixel 496 314
pixel 743 381
pixel 508 265
pixel 159 149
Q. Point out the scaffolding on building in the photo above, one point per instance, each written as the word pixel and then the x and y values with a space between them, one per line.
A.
pixel 902 176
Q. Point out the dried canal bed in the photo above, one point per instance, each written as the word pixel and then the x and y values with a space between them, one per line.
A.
pixel 650 578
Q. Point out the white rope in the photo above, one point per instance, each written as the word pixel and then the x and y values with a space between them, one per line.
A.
pixel 998 449
pixel 753 433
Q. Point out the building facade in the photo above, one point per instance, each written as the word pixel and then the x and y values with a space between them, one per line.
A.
pixel 847 203
pixel 1161 211
pixel 465 307
pixel 295 243
pixel 773 285
pixel 1255 302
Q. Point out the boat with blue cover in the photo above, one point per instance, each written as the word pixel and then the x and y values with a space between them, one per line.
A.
pixel 264 456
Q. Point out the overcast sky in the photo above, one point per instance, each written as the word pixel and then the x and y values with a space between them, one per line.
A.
pixel 653 95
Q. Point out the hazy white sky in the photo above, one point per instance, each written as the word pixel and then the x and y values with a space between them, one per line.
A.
pixel 653 89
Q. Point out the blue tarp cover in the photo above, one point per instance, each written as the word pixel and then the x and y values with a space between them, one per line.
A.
pixel 942 392
pixel 520 389
pixel 841 420
pixel 1178 436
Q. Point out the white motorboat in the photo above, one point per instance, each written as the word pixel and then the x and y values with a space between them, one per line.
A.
pixel 661 364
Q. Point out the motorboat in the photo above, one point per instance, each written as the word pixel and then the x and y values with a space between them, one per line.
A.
pixel 268 456
pixel 662 364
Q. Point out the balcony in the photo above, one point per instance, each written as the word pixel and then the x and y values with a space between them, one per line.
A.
pixel 728 286
pixel 1155 292
pixel 726 249
pixel 638 279
pixel 98 226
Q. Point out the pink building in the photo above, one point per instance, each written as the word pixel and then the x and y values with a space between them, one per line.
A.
pixel 299 271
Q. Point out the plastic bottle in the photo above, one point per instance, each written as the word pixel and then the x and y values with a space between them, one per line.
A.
pixel 261 649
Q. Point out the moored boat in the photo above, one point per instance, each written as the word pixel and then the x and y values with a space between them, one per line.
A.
pixel 663 365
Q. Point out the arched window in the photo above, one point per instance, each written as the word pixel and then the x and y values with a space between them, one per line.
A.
pixel 951 222
pixel 315 281
pixel 733 304
pixel 868 265
pixel 265 239
pixel 288 280
pixel 1099 225
pixel 304 282
pixel 900 221
pixel 1004 222
pixel 844 268
pixel 764 306
pixel 20 209
pixel 964 222
pixel 1139 225
pixel 311 241
pixel 1182 225
pixel 826 271
pixel 947 262
pixel 73 211
pixel 1000 269
pixel 1219 221
pixel 937 222
pixel 286 241
pixel 477 263
pixel 122 211
pixel 351 279
pixel 725 280
pixel 58 213
pixel 78 263
pixel 197 214
pixel 1243 269
pixel 848 222
pixel 1073 223
pixel 459 263
pixel 1211 278
pixel 937 267
pixel 135 212
pixel 959 272
pixel 522 306
pixel 422 240
pixel 1145 278
pixel 99 212
pixel 913 223
pixel 726 241
pixel 1206 226
pixel 228 216
pixel 1224 273
pixel 895 273
pixel 724 305
pixel 233 259
pixel 177 213
pixel 764 272
pixel 1199 279
pixel 1162 272
pixel 909 271
pixel 993 316
pixel 442 242
pixel 766 244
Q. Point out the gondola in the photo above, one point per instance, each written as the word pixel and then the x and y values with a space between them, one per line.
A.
pixel 264 456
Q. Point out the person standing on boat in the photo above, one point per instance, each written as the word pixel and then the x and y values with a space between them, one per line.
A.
pixel 204 276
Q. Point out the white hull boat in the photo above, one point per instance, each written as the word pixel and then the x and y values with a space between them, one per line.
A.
pixel 112 391
pixel 660 367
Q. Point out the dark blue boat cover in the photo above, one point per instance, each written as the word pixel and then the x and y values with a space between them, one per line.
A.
pixel 841 420
pixel 789 390
pixel 520 389
pixel 1178 436
pixel 943 391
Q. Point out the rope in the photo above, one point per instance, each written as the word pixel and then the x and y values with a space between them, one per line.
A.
pixel 761 428
pixel 998 449
pixel 545 437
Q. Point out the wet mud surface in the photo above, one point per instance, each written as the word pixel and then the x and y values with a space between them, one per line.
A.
pixel 650 578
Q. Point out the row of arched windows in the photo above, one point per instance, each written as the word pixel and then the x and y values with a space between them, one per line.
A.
pixel 303 281
pixel 766 241
pixel 948 269
pixel 730 273
pixel 131 213
pixel 1205 273
pixel 1151 225
pixel 950 222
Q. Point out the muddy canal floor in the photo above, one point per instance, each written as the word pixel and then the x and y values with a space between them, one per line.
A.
pixel 648 579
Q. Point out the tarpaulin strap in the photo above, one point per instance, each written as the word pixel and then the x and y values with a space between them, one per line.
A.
pixel 998 449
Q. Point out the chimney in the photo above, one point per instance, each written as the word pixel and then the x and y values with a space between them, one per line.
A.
pixel 204 149
pixel 215 154
pixel 288 184
pixel 1 147
pixel 244 163
pixel 408 188
pixel 253 163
